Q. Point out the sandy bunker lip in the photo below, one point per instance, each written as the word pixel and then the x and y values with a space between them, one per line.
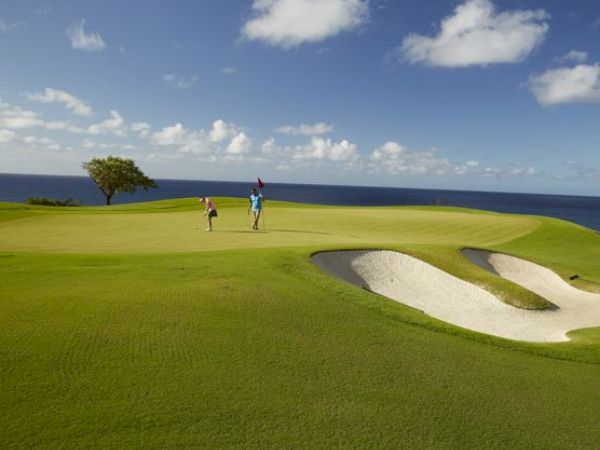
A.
pixel 420 285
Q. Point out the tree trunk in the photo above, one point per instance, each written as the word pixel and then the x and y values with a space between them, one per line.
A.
pixel 108 197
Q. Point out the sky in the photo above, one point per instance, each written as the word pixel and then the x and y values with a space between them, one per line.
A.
pixel 500 95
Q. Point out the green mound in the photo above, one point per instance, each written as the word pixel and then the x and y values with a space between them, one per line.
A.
pixel 129 326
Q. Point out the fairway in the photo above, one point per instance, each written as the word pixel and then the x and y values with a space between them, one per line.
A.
pixel 130 326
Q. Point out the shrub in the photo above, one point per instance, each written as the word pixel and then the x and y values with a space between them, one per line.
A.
pixel 52 201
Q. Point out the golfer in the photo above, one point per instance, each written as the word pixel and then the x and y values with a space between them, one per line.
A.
pixel 256 201
pixel 210 211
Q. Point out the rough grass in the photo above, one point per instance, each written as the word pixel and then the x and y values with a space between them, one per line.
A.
pixel 237 340
pixel 570 249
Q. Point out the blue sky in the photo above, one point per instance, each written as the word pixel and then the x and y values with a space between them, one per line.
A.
pixel 468 94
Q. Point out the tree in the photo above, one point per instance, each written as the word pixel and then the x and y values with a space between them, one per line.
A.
pixel 114 174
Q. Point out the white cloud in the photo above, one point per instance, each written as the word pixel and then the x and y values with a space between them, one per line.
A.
pixel 6 136
pixel 172 135
pixel 578 171
pixel 306 130
pixel 30 142
pixel 80 40
pixel 61 125
pixel 8 27
pixel 283 167
pixel 224 143
pixel 15 117
pixel 196 142
pixel 35 140
pixel 163 157
pixel 221 130
pixel 579 84
pixel 36 154
pixel 326 149
pixel 510 172
pixel 476 34
pixel 314 154
pixel 393 158
pixel 390 158
pixel 229 70
pixel 180 81
pixel 239 144
pixel 112 125
pixel 142 128
pixel 186 141
pixel 270 147
pixel 289 23
pixel 71 102
pixel 575 56
pixel 89 144
pixel 211 142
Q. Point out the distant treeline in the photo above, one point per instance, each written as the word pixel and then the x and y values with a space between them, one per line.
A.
pixel 53 202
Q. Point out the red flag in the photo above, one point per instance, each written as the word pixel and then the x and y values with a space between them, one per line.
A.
pixel 260 184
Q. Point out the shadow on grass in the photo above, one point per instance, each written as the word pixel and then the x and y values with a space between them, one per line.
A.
pixel 275 230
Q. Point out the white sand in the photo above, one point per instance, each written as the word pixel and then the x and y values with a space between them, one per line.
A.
pixel 415 283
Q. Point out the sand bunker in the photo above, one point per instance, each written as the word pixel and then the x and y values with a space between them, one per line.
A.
pixel 415 283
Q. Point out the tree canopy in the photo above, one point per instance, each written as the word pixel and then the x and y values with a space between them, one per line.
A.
pixel 114 174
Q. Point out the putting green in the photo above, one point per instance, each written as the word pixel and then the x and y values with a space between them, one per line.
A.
pixel 178 226
pixel 130 326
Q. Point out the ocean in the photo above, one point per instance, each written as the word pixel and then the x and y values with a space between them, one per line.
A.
pixel 582 210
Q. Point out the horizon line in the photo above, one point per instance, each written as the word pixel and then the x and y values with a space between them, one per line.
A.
pixel 332 185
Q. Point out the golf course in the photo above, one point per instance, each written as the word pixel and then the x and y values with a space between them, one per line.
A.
pixel 129 326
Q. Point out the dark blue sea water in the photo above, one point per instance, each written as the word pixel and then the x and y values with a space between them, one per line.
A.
pixel 582 210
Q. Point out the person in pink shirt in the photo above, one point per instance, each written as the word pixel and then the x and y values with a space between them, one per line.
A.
pixel 210 211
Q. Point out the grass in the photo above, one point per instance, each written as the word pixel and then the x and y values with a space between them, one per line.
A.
pixel 153 227
pixel 128 326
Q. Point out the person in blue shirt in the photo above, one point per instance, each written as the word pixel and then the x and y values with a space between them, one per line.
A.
pixel 256 204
